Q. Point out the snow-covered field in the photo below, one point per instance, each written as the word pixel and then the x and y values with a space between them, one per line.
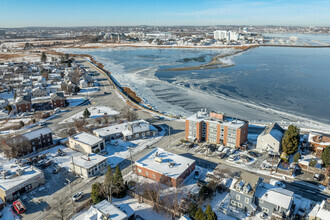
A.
pixel 96 112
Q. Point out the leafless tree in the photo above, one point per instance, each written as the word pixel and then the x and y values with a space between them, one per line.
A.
pixel 172 203
pixel 79 124
pixel 15 146
pixel 129 114
pixel 61 209
pixel 151 191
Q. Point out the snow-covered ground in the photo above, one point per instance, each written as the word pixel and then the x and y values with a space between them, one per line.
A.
pixel 88 90
pixel 142 209
pixel 96 112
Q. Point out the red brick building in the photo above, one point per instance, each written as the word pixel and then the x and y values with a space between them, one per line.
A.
pixel 216 128
pixel 23 104
pixel 165 167
pixel 58 100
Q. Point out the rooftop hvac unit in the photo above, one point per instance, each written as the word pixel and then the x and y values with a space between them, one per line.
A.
pixel 20 172
pixel 158 159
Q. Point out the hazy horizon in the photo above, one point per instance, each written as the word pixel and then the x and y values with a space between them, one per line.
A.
pixel 39 13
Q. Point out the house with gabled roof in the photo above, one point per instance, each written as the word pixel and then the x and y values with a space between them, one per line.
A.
pixel 243 190
pixel 58 100
pixel 23 103
pixel 270 139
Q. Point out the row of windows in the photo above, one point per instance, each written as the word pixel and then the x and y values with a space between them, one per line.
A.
pixel 246 200
pixel 147 173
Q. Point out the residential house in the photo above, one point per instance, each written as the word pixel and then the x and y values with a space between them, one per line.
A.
pixel 165 167
pixel 58 99
pixel 243 190
pixel 318 142
pixel 274 201
pixel 101 211
pixel 270 139
pixel 38 92
pixel 86 143
pixel 216 128
pixel 128 131
pixel 23 104
pixel 3 103
pixel 88 166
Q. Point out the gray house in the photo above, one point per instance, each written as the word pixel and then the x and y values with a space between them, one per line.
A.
pixel 242 192
pixel 274 201
pixel 270 139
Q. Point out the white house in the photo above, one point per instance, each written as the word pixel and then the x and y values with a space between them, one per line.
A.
pixel 86 143
pixel 88 166
pixel 270 139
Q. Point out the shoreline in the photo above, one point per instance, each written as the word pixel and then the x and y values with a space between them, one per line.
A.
pixel 287 117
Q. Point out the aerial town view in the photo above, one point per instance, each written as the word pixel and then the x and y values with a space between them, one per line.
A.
pixel 156 110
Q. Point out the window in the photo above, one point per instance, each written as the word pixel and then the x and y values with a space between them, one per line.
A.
pixel 148 133
pixel 147 173
pixel 139 170
pixel 137 135
pixel 143 134
pixel 239 205
pixel 233 202
pixel 238 197
pixel 153 176
pixel 265 210
pixel 247 200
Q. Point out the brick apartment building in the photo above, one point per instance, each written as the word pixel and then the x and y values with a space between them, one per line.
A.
pixel 165 167
pixel 58 100
pixel 23 104
pixel 216 128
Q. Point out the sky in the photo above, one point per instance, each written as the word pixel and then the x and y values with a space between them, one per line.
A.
pixel 66 13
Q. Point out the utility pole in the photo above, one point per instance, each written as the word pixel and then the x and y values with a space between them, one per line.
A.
pixel 169 132
pixel 73 203
pixel 130 154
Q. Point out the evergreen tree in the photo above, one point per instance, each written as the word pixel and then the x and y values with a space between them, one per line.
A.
pixel 86 113
pixel 210 215
pixel 192 209
pixel 290 140
pixel 9 108
pixel 200 215
pixel 96 194
pixel 326 156
pixel 108 183
pixel 43 57
pixel 118 177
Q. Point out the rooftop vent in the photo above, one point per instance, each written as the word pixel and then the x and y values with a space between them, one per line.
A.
pixel 158 159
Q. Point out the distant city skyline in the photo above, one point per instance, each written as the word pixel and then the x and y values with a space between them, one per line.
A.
pixel 60 13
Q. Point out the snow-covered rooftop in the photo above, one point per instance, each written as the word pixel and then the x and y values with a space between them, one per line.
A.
pixel 88 162
pixel 12 179
pixel 275 195
pixel 128 128
pixel 226 121
pixel 101 210
pixel 324 211
pixel 86 138
pixel 180 163
pixel 30 135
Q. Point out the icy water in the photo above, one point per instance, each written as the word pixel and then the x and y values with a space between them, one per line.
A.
pixel 265 84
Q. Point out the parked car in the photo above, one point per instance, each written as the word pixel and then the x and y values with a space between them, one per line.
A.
pixel 56 170
pixel 223 155
pixel 220 149
pixel 232 151
pixel 19 207
pixel 103 153
pixel 226 150
pixel 233 158
pixel 317 177
pixel 46 164
pixel 61 153
pixel 201 183
pixel 276 183
pixel 57 110
pixel 77 196
pixel 196 175
pixel 40 163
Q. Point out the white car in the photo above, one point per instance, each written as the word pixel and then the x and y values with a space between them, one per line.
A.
pixel 77 196
pixel 57 110
pixel 220 149
pixel 276 183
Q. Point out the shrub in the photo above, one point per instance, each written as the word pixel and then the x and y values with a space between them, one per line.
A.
pixel 312 162
pixel 296 157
